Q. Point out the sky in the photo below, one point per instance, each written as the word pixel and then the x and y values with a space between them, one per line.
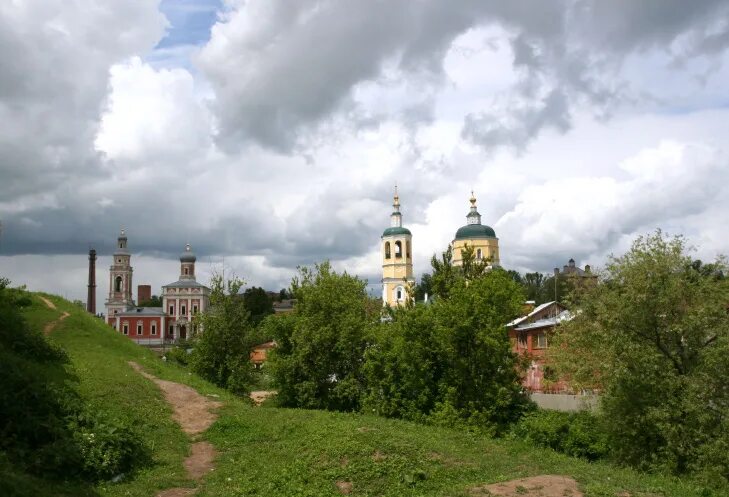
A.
pixel 271 134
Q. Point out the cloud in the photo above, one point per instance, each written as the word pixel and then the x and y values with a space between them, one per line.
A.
pixel 587 216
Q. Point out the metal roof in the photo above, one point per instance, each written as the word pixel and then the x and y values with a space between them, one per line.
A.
pixel 542 323
pixel 142 311
pixel 537 309
pixel 184 284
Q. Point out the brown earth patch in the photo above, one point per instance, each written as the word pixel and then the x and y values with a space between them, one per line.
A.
pixel 200 460
pixel 194 413
pixel 378 456
pixel 365 429
pixel 536 486
pixel 49 327
pixel 260 395
pixel 48 303
pixel 344 487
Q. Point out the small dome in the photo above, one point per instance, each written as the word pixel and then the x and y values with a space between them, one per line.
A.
pixel 188 255
pixel 475 231
pixel 396 230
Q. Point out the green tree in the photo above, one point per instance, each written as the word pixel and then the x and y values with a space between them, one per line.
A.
pixel 654 336
pixel 450 362
pixel 481 386
pixel 320 345
pixel 225 336
pixel 425 287
pixel 258 303
pixel 405 365
pixel 154 301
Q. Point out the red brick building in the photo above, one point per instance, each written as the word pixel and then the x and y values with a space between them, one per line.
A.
pixel 181 300
pixel 529 336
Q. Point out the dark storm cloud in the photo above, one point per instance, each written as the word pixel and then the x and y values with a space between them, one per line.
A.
pixel 279 71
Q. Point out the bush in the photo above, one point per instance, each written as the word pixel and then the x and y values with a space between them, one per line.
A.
pixel 575 434
pixel 106 447
pixel 179 355
pixel 44 427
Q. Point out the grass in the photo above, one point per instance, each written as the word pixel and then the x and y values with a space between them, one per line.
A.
pixel 288 452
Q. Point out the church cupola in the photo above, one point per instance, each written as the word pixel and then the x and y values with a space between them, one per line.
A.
pixel 187 264
pixel 473 216
pixel 479 237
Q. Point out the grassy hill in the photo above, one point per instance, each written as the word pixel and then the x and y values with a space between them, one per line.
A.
pixel 270 451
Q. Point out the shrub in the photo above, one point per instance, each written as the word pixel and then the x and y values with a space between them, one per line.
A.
pixel 106 447
pixel 576 434
pixel 44 427
pixel 179 355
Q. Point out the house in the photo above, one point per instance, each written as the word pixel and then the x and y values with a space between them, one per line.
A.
pixel 259 354
pixel 530 335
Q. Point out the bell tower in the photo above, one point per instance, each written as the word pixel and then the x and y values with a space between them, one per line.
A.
pixel 397 259
pixel 120 279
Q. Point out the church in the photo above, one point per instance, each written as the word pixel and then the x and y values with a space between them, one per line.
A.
pixel 397 261
pixel 181 300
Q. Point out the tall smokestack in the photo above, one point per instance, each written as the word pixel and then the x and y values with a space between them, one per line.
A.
pixel 91 297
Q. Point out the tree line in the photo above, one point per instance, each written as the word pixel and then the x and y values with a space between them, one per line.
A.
pixel 652 335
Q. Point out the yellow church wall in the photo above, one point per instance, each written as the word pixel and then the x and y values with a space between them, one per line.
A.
pixel 489 248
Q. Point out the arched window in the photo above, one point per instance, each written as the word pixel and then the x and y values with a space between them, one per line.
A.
pixel 118 284
pixel 478 254
pixel 398 249
pixel 387 250
pixel 186 271
pixel 407 249
pixel 399 293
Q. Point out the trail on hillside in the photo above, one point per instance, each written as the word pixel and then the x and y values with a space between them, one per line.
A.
pixel 536 486
pixel 49 327
pixel 194 413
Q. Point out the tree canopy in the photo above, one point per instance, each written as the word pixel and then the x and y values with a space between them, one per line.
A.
pixel 654 338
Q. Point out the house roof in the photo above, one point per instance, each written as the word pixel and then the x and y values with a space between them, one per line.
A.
pixel 184 284
pixel 536 310
pixel 546 322
pixel 142 311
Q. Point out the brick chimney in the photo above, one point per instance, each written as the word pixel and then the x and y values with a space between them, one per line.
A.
pixel 91 296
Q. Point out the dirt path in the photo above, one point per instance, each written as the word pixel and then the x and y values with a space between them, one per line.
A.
pixel 49 327
pixel 536 486
pixel 259 396
pixel 194 413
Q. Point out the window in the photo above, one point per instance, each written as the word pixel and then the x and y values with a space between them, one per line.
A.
pixel 139 328
pixel 172 330
pixel 522 340
pixel 478 254
pixel 116 311
pixel 387 250
pixel 541 341
pixel 118 284
pixel 398 249
pixel 186 271
pixel 119 261
pixel 125 328
pixel 154 329
pixel 183 310
pixel 399 293
pixel 194 309
pixel 172 310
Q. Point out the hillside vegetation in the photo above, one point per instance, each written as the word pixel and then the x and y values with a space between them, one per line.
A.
pixel 290 452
